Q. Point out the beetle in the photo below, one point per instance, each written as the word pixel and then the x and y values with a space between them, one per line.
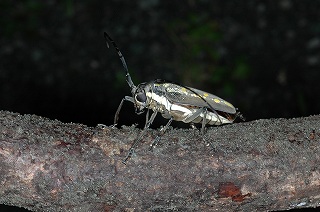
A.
pixel 174 102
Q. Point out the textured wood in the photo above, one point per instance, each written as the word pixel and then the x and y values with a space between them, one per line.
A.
pixel 47 165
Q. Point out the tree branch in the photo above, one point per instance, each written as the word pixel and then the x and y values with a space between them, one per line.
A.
pixel 47 165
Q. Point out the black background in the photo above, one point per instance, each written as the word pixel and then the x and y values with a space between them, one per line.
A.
pixel 262 56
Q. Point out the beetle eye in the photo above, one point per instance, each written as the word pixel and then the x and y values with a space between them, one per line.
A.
pixel 141 97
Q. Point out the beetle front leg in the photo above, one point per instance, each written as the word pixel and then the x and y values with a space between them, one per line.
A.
pixel 116 116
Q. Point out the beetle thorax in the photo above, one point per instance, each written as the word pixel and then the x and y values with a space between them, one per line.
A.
pixel 156 99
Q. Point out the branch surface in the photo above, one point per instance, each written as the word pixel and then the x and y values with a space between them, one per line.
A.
pixel 263 165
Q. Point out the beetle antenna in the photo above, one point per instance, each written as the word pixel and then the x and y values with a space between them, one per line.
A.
pixel 128 77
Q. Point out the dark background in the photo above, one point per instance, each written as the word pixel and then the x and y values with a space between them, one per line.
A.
pixel 262 56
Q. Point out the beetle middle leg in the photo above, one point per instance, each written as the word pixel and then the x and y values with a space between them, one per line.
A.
pixel 135 143
pixel 162 131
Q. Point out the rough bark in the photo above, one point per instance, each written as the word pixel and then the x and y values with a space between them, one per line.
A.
pixel 261 165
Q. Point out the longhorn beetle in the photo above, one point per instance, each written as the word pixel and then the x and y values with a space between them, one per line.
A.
pixel 174 102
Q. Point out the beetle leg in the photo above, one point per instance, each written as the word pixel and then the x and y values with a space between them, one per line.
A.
pixel 162 131
pixel 147 118
pixel 116 116
pixel 204 110
pixel 150 121
pixel 131 150
pixel 193 116
pixel 193 126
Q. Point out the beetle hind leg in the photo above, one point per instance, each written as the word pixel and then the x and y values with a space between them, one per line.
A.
pixel 204 111
pixel 191 118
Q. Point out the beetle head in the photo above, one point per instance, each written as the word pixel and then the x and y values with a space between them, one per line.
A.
pixel 140 97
